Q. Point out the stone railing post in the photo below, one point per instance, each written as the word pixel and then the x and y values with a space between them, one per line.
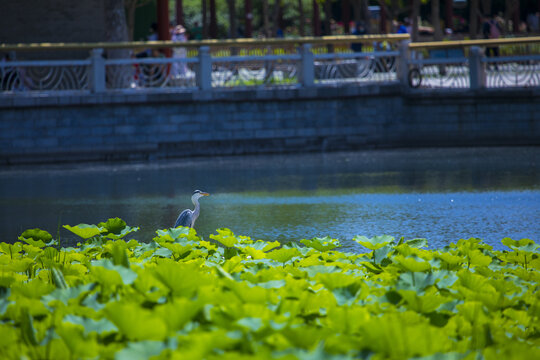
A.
pixel 204 75
pixel 307 66
pixel 97 71
pixel 477 74
pixel 404 56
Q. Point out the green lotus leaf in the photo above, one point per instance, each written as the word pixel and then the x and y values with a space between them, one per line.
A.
pixel 173 234
pixel 374 243
pixel 450 259
pixel 320 269
pixel 417 281
pixel 36 237
pixel 85 231
pixel 32 289
pixel 141 350
pixel 64 295
pixel 11 249
pixel 90 325
pixel 335 280
pixel 283 255
pixel 109 273
pixel 134 322
pixel 476 258
pixel 180 278
pixel 20 265
pixel 322 244
pixel 270 245
pixel 381 254
pixel 79 345
pixel 113 225
pixel 251 323
pixel 254 253
pixel 411 263
pixel 225 237
pixel 417 243
pixel 424 303
pixel 515 244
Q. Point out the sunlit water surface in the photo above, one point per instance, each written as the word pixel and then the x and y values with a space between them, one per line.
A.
pixel 442 195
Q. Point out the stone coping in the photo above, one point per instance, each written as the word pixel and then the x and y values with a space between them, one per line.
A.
pixel 55 99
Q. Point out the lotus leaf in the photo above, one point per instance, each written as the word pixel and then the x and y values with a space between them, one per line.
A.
pixel 179 297
pixel 85 231
pixel 322 244
pixel 374 243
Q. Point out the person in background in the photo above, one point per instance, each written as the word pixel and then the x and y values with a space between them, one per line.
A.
pixel 491 30
pixel 179 35
pixel 533 22
pixel 359 29
pixel 153 36
pixel 401 28
pixel 196 31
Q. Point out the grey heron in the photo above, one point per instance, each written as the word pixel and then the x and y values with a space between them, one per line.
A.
pixel 187 217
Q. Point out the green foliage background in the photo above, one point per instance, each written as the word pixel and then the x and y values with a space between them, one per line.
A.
pixel 181 297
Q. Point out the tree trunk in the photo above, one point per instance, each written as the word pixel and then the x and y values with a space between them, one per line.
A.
pixel 232 19
pixel 130 5
pixel 213 20
pixel 302 16
pixel 316 22
pixel 437 31
pixel 115 21
pixel 118 76
pixel 204 9
pixel 266 21
pixel 180 13
pixel 414 18
pixel 473 19
pixel 328 17
pixel 248 13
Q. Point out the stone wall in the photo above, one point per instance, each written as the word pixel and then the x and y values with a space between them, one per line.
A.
pixel 149 126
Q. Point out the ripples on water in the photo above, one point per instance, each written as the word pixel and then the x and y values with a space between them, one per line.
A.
pixel 439 194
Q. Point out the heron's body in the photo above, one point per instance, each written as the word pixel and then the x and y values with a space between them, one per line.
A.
pixel 187 217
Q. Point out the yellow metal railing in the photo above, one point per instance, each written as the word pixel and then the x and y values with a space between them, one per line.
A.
pixel 323 40
pixel 479 42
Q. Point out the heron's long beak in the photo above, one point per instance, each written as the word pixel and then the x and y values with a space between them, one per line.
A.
pixel 205 194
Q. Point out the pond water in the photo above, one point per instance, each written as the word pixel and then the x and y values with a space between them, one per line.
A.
pixel 439 194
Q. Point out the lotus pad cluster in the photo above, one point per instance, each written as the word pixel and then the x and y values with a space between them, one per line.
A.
pixel 180 297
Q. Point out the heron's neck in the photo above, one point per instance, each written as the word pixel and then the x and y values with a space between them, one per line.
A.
pixel 197 209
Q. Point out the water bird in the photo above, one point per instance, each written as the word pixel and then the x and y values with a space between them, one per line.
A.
pixel 187 217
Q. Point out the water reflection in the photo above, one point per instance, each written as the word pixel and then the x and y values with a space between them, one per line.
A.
pixel 442 195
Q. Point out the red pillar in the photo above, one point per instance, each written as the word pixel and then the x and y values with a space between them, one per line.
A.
pixel 346 16
pixel 516 20
pixel 316 19
pixel 448 14
pixel 248 14
pixel 163 23
pixel 383 20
